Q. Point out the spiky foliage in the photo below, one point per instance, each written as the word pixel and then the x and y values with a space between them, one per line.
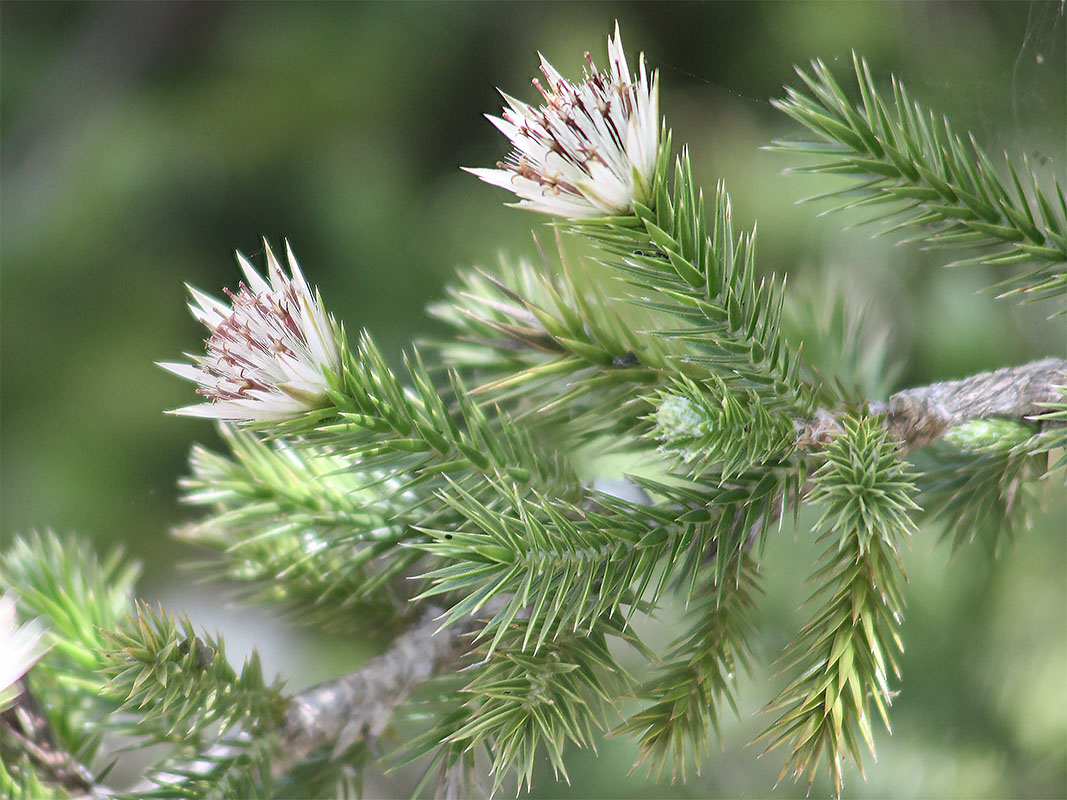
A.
pixel 517 704
pixel 947 190
pixel 552 347
pixel 571 565
pixel 236 767
pixel 326 773
pixel 183 688
pixel 305 527
pixel 844 657
pixel 982 480
pixel 1053 437
pixel 565 566
pixel 685 265
pixel 77 596
pixel 687 270
pixel 694 272
pixel 698 675
pixel 465 485
pixel 415 431
pixel 697 273
pixel 180 682
pixel 715 523
pixel 711 427
pixel 143 674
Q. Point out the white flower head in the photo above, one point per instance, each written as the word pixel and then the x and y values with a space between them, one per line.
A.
pixel 591 150
pixel 20 647
pixel 269 350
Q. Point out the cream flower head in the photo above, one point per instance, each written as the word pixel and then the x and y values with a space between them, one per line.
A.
pixel 591 150
pixel 269 351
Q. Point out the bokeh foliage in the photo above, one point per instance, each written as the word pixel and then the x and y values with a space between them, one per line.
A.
pixel 142 143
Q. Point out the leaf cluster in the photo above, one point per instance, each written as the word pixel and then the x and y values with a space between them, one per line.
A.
pixel 234 767
pixel 560 566
pixel 700 672
pixel 843 657
pixel 711 427
pixel 180 683
pixel 76 595
pixel 145 675
pixel 551 347
pixel 175 685
pixel 306 528
pixel 705 279
pixel 516 703
pixel 900 155
pixel 385 424
pixel 982 477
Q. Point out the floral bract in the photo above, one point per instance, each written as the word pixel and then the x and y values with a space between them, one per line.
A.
pixel 591 150
pixel 269 352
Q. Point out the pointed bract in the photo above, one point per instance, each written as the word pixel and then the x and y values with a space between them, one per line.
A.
pixel 269 352
pixel 591 150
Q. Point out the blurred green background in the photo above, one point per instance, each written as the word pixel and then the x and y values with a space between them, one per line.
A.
pixel 140 144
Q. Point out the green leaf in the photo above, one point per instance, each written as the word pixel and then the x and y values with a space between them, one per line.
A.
pixel 839 666
pixel 932 180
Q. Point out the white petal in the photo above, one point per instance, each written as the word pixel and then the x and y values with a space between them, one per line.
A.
pixel 253 278
pixel 551 73
pixel 591 149
pixel 187 371
pixel 207 309
pixel 521 108
pixel 277 278
pixel 509 129
pixel 497 177
pixel 294 270
pixel 269 350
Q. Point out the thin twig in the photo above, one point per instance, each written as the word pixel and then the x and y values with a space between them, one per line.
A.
pixel 28 725
pixel 350 709
pixel 917 417
pixel 359 706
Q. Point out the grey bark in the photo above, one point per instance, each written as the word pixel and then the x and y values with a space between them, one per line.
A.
pixel 918 417
pixel 27 724
pixel 360 705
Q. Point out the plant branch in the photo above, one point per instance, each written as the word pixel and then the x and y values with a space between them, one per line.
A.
pixel 901 156
pixel 358 706
pixel 28 725
pixel 920 416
